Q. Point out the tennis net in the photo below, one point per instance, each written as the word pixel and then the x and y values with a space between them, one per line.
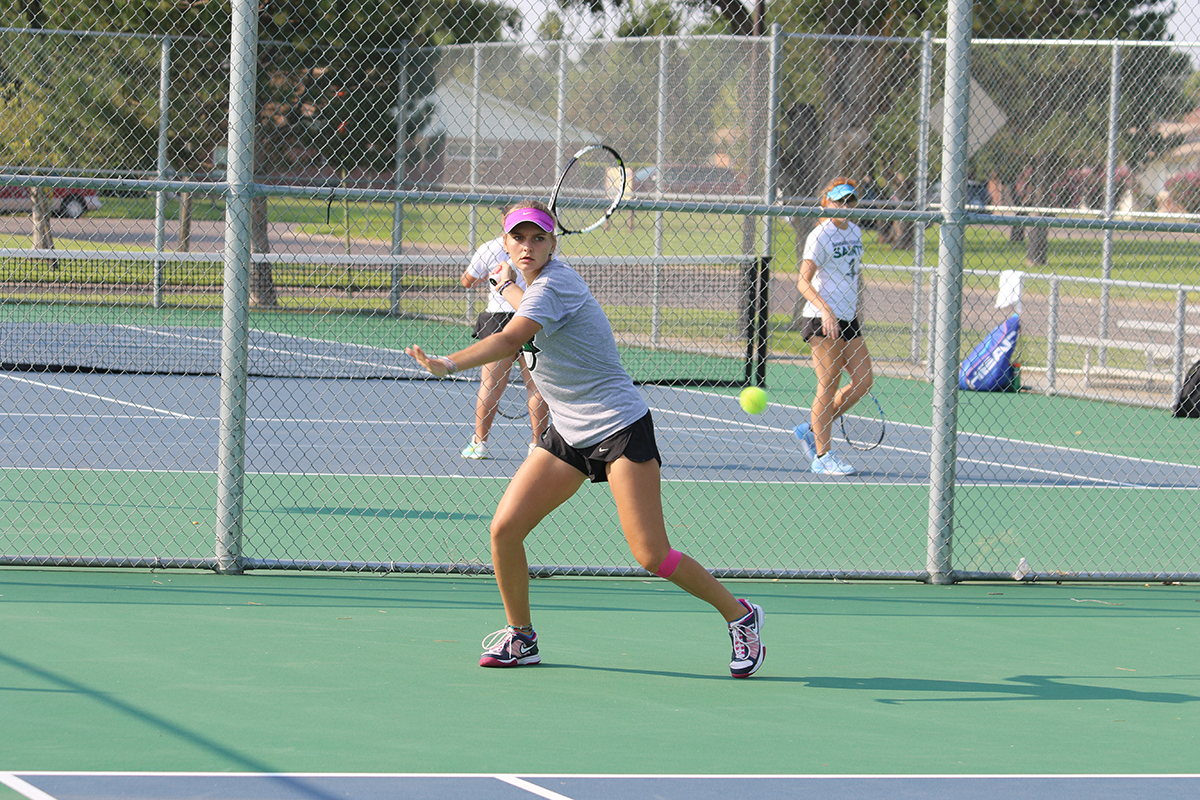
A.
pixel 677 323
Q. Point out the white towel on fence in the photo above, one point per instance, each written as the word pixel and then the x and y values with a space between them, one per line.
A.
pixel 1010 289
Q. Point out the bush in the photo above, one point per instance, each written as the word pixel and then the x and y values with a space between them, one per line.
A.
pixel 1185 191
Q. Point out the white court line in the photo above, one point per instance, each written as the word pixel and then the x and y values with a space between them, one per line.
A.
pixel 961 458
pixel 21 787
pixel 260 348
pixel 920 482
pixel 532 788
pixel 52 387
pixel 911 425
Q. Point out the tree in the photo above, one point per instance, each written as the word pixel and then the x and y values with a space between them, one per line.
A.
pixel 296 35
pixel 1056 101
pixel 75 104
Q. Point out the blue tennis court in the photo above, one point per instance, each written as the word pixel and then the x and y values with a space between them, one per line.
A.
pixel 83 786
pixel 100 421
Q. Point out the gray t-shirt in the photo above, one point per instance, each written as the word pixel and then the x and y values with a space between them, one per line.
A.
pixel 577 367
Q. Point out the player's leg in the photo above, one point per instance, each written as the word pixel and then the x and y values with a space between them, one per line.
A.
pixel 828 362
pixel 493 378
pixel 861 373
pixel 542 484
pixel 636 489
pixel 637 492
pixel 539 412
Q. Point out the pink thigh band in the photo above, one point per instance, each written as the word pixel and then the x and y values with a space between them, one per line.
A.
pixel 668 565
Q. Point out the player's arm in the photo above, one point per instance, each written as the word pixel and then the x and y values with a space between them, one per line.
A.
pixel 499 345
pixel 469 277
pixel 504 280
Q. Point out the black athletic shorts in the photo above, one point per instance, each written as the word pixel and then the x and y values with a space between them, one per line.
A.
pixel 635 443
pixel 847 330
pixel 490 322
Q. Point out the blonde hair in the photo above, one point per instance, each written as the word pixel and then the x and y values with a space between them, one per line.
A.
pixel 825 201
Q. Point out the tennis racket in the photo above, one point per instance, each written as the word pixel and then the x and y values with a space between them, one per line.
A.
pixel 589 189
pixel 514 402
pixel 865 431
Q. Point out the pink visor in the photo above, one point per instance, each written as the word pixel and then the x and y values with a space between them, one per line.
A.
pixel 536 216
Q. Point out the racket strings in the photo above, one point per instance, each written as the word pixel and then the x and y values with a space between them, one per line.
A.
pixel 514 400
pixel 866 429
pixel 589 189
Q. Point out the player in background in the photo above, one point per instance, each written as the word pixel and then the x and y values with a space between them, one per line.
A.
pixel 494 376
pixel 830 279
pixel 602 430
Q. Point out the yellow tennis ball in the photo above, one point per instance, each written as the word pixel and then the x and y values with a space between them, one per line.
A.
pixel 753 400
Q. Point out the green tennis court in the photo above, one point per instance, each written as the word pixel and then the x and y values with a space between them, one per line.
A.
pixel 180 671
pixel 288 681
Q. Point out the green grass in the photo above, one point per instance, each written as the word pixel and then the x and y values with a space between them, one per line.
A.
pixel 1167 260
pixel 193 274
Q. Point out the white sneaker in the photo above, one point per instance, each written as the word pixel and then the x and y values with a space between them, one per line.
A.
pixel 532 447
pixel 831 464
pixel 476 450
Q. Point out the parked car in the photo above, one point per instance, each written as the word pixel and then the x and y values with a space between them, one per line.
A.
pixel 71 203
pixel 690 179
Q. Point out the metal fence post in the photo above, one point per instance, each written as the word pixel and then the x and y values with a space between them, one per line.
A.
pixel 771 139
pixel 235 317
pixel 1180 333
pixel 397 272
pixel 922 176
pixel 560 113
pixel 473 216
pixel 160 197
pixel 660 148
pixel 1114 102
pixel 944 445
pixel 1052 337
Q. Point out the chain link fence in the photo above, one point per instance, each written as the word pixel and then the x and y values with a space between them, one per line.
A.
pixel 213 255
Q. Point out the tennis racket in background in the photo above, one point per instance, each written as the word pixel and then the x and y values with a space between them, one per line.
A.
pixel 865 430
pixel 589 189
pixel 514 401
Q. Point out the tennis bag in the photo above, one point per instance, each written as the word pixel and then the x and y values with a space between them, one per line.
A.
pixel 989 367
pixel 1188 402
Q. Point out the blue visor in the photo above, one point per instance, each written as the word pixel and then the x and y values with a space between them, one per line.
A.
pixel 840 192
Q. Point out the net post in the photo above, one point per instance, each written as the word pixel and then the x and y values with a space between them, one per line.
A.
pixel 762 328
pixel 749 323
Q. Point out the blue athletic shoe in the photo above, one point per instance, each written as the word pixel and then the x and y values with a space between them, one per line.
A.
pixel 748 649
pixel 831 464
pixel 808 442
pixel 508 648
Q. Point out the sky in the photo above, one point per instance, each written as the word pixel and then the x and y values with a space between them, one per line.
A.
pixel 1184 26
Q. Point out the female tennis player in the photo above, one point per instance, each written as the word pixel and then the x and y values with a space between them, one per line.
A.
pixel 494 375
pixel 601 429
pixel 830 275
